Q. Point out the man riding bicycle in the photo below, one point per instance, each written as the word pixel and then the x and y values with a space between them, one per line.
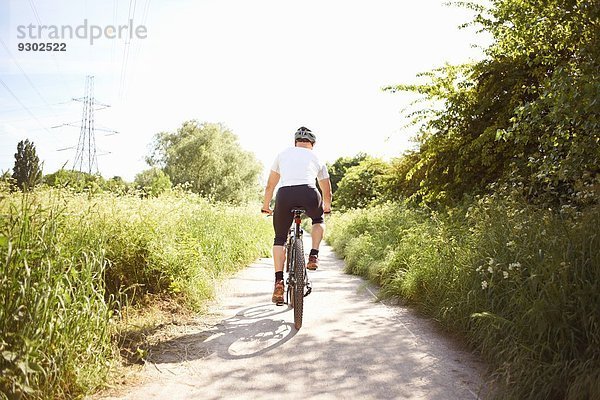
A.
pixel 296 169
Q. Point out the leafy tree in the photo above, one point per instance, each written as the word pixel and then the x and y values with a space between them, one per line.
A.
pixel 153 181
pixel 75 180
pixel 209 158
pixel 528 114
pixel 361 184
pixel 340 166
pixel 116 184
pixel 27 171
pixel 400 182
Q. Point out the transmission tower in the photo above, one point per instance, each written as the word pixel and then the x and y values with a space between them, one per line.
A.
pixel 85 156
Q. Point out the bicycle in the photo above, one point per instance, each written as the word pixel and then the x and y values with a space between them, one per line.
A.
pixel 297 280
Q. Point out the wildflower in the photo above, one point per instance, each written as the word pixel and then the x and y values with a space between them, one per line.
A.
pixel 505 273
pixel 510 244
pixel 491 261
pixel 514 265
pixel 479 268
pixel 484 285
pixel 490 270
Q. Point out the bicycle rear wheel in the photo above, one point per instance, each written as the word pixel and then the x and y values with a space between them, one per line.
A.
pixel 299 279
pixel 289 266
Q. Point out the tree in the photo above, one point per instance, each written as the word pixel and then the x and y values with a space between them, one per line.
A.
pixel 209 158
pixel 116 184
pixel 152 181
pixel 338 169
pixel 361 186
pixel 528 114
pixel 77 181
pixel 27 171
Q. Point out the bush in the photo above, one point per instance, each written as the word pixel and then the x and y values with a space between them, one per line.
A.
pixel 67 258
pixel 75 180
pixel 152 182
pixel 361 184
pixel 519 282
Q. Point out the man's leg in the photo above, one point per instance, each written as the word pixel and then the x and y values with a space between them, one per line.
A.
pixel 317 235
pixel 278 257
pixel 278 261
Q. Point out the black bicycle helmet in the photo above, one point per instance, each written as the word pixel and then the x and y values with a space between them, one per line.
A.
pixel 305 133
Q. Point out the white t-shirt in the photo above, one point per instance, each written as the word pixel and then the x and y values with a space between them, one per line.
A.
pixel 299 166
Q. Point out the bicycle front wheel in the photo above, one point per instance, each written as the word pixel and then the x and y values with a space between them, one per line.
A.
pixel 299 279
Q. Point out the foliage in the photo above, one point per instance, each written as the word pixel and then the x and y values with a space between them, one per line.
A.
pixel 521 283
pixel 76 181
pixel 360 185
pixel 527 114
pixel 53 313
pixel 152 181
pixel 27 171
pixel 338 169
pixel 209 158
pixel 66 257
pixel 401 179
pixel 116 184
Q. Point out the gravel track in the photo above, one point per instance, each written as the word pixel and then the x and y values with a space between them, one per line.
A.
pixel 350 346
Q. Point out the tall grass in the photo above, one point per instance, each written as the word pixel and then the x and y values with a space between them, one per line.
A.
pixel 522 284
pixel 69 260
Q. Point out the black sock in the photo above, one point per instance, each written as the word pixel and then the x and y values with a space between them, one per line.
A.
pixel 314 252
pixel 278 276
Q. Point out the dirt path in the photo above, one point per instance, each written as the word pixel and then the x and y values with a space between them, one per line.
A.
pixel 350 346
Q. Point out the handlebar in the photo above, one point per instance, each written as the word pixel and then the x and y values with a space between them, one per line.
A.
pixel 270 212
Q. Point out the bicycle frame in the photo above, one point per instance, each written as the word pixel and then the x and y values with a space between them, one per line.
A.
pixel 295 233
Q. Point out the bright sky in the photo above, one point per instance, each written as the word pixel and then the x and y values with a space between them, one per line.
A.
pixel 262 68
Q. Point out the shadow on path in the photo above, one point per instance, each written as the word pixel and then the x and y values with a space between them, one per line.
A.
pixel 251 332
pixel 349 347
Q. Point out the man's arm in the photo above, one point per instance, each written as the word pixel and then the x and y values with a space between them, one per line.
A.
pixel 325 185
pixel 271 183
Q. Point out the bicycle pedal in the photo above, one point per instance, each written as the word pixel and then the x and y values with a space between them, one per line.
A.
pixel 308 290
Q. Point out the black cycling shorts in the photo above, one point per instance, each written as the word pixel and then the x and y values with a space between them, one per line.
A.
pixel 289 197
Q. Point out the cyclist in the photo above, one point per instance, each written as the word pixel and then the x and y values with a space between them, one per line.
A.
pixel 296 170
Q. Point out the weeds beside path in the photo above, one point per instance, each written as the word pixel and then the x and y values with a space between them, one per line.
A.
pixel 350 346
pixel 73 263
pixel 520 282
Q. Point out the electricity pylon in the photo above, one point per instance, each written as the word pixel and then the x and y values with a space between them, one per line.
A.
pixel 86 157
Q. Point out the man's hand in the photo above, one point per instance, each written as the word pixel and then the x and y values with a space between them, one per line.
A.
pixel 327 208
pixel 266 211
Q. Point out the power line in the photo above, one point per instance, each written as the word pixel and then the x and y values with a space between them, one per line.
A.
pixel 26 76
pixel 124 61
pixel 9 110
pixel 60 73
pixel 35 13
pixel 23 105
pixel 139 43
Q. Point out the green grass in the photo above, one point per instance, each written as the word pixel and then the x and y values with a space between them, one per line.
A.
pixel 71 261
pixel 520 283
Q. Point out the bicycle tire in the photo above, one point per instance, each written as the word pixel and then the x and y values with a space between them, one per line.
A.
pixel 289 257
pixel 299 280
